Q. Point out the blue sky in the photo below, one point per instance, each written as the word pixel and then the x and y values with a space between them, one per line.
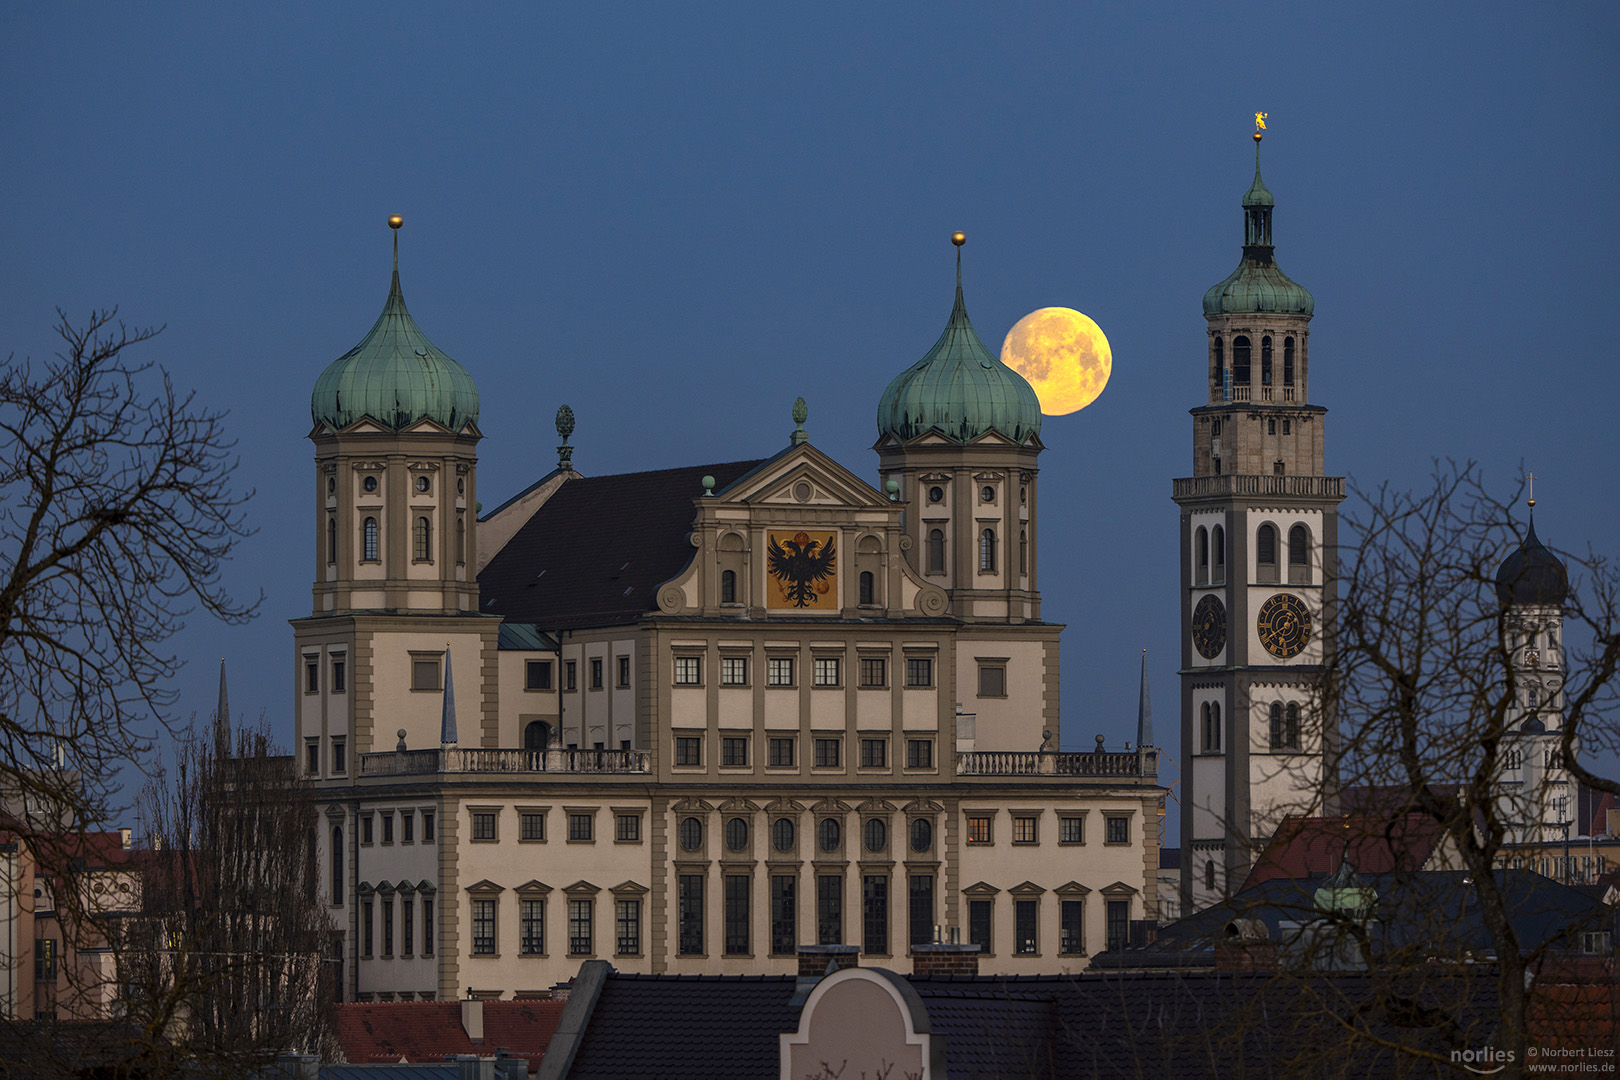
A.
pixel 677 218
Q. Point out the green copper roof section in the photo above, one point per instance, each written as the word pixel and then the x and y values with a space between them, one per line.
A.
pixel 1258 194
pixel 960 389
pixel 1346 892
pixel 1258 284
pixel 396 376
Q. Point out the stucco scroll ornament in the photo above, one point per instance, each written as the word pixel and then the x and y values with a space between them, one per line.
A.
pixel 671 599
pixel 905 542
pixel 932 601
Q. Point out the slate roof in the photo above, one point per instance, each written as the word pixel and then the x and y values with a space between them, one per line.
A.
pixel 1310 846
pixel 425 1031
pixel 686 1027
pixel 595 553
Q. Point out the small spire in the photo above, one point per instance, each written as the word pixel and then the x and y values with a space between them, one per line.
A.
pixel 1530 479
pixel 1144 711
pixel 394 222
pixel 447 719
pixel 222 718
pixel 959 238
pixel 565 428
pixel 801 413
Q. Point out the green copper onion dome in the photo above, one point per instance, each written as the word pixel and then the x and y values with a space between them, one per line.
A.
pixel 1258 284
pixel 960 389
pixel 396 376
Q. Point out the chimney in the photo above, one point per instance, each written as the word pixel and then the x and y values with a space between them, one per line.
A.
pixel 814 959
pixel 472 1020
pixel 943 959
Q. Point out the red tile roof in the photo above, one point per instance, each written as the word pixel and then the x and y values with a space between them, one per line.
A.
pixel 1306 847
pixel 425 1031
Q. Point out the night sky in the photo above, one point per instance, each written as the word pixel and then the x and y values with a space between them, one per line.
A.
pixel 677 218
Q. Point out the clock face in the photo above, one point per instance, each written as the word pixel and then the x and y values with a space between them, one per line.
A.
pixel 1209 627
pixel 1284 626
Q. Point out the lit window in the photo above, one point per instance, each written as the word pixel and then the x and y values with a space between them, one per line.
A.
pixel 978 829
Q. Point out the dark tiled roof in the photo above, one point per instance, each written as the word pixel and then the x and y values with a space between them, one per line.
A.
pixel 991 1036
pixel 426 1031
pixel 686 1027
pixel 595 553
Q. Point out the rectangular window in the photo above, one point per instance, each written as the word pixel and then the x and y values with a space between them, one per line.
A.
pixel 407 826
pixel 921 902
pixel 978 829
pixel 627 915
pixel 1072 830
pixel 596 673
pixel 483 927
pixel 827 754
pixel 312 757
pixel 340 759
pixel 784 915
pixel 388 926
pixel 624 671
pixel 919 753
pixel 533 927
pixel 737 920
pixel 1025 828
pixel 387 826
pixel 781 751
pixel 427 826
pixel 827 671
pixel 571 675
pixel 537 675
pixel 532 826
pixel 874 671
pixel 340 675
pixel 45 959
pixel 1116 830
pixel 919 671
pixel 427 927
pixel 1119 923
pixel 875 914
pixel 580 915
pixel 1072 928
pixel 830 909
pixel 979 912
pixel 312 676
pixel 734 671
pixel 689 750
pixel 365 828
pixel 425 675
pixel 581 827
pixel 627 829
pixel 689 915
pixel 734 750
pixel 688 671
pixel 366 927
pixel 874 753
pixel 407 926
pixel 779 671
pixel 483 825
pixel 992 680
pixel 1025 914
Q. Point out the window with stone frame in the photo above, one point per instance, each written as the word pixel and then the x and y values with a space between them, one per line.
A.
pixel 779 671
pixel 920 753
pixel 688 671
pixel 919 672
pixel 978 829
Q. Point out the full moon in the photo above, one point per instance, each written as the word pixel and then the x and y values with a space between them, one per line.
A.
pixel 1063 354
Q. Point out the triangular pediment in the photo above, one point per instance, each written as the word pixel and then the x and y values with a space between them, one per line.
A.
pixel 1071 888
pixel 485 887
pixel 992 438
pixel 365 426
pixel 582 888
pixel 533 888
pixel 629 888
pixel 1027 888
pixel 804 477
pixel 427 425
pixel 981 889
pixel 1119 888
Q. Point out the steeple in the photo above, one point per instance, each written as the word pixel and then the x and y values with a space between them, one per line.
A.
pixel 1257 207
pixel 222 718
pixel 1258 285
pixel 1144 711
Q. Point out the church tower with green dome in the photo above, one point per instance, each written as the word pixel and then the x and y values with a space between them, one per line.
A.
pixel 958 442
pixel 1258 526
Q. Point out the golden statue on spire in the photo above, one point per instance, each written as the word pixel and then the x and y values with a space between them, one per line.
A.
pixel 1260 121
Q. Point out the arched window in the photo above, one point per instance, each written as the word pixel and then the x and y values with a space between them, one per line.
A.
pixel 337 864
pixel 461 539
pixel 1299 555
pixel 1212 727
pixel 936 551
pixel 1288 361
pixel 1219 366
pixel 1265 360
pixel 987 551
pixel 537 735
pixel 1204 710
pixel 1209 875
pixel 331 538
pixel 868 587
pixel 1023 551
pixel 1291 726
pixel 1276 726
pixel 1201 544
pixel 368 534
pixel 728 586
pixel 1240 361
pixel 1217 541
pixel 422 535
pixel 1265 553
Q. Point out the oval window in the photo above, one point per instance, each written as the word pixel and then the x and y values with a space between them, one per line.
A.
pixel 922 834
pixel 828 834
pixel 987 493
pixel 782 834
pixel 736 834
pixel 422 483
pixel 877 834
pixel 331 485
pixel 936 494
pixel 691 834
pixel 369 483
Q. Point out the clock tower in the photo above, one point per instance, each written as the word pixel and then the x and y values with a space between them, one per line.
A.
pixel 1259 525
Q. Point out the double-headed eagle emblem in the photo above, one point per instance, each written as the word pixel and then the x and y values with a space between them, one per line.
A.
pixel 802 567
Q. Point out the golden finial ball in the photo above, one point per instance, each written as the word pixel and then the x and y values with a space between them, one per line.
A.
pixel 1257 136
pixel 959 238
pixel 395 221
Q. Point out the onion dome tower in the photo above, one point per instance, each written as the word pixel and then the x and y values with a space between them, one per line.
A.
pixel 959 432
pixel 1532 585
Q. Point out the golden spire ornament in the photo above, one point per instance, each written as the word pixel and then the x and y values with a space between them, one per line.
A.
pixel 1259 124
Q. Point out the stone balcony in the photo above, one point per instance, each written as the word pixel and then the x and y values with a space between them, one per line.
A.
pixel 527 762
pixel 1225 484
pixel 1133 764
